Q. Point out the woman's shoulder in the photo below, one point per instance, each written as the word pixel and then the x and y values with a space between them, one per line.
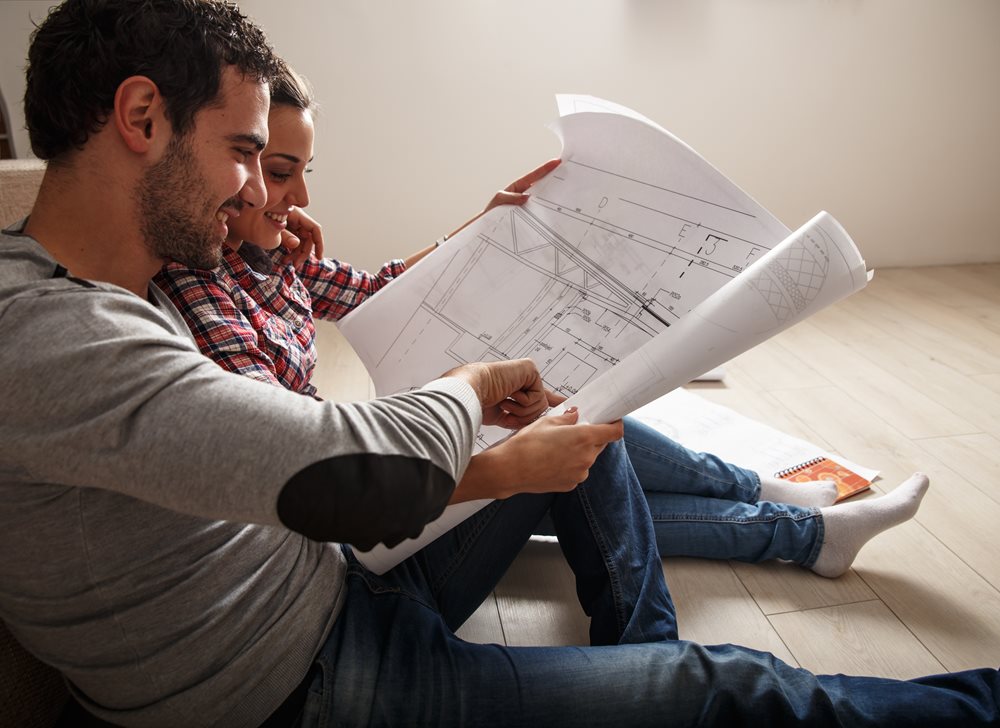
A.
pixel 199 288
pixel 225 276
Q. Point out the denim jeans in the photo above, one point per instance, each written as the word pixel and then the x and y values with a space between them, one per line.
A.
pixel 392 658
pixel 703 506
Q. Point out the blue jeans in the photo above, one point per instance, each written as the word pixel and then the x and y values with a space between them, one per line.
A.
pixel 703 506
pixel 392 657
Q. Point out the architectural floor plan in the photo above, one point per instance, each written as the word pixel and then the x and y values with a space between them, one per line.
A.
pixel 614 246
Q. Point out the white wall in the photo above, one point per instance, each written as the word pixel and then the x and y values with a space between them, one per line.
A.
pixel 15 27
pixel 884 112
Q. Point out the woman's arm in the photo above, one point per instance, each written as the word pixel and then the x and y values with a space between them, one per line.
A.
pixel 516 193
pixel 337 287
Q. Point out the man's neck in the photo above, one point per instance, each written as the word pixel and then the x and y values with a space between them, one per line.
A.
pixel 91 228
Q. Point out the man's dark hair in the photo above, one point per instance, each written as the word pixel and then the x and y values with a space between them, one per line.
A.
pixel 84 49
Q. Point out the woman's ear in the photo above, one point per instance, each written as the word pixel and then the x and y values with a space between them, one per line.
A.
pixel 138 114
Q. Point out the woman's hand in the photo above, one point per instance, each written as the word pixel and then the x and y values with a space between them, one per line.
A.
pixel 516 193
pixel 302 236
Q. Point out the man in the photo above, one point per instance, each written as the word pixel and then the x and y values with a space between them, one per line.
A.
pixel 170 532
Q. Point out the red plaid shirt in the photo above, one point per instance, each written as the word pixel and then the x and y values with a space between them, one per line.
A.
pixel 254 314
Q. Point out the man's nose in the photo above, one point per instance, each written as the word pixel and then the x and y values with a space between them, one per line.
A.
pixel 254 193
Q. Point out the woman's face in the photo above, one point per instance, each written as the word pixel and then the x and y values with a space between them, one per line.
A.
pixel 284 163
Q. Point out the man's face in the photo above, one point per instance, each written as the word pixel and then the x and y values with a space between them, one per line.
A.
pixel 206 176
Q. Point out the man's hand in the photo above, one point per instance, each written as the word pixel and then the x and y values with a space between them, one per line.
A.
pixel 552 455
pixel 511 392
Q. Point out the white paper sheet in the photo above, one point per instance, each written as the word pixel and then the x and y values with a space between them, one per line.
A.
pixel 704 426
pixel 629 234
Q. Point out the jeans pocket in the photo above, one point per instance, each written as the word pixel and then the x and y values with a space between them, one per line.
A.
pixel 316 712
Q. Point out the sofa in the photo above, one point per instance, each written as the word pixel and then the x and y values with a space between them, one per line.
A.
pixel 32 694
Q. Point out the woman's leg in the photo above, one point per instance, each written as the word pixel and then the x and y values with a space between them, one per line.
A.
pixel 712 528
pixel 663 465
pixel 703 506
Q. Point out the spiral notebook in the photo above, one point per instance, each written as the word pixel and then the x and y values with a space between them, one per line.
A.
pixel 823 468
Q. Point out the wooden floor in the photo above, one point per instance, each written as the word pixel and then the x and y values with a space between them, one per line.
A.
pixel 904 376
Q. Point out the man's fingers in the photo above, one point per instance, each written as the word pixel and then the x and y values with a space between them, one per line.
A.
pixel 523 410
pixel 554 398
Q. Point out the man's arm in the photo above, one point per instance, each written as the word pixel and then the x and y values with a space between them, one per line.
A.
pixel 107 395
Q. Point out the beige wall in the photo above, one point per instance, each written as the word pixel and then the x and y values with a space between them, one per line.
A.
pixel 15 27
pixel 884 112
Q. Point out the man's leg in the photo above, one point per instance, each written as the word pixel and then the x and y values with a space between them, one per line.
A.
pixel 606 533
pixel 391 660
pixel 461 568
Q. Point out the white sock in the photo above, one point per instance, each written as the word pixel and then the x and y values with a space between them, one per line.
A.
pixel 849 526
pixel 814 494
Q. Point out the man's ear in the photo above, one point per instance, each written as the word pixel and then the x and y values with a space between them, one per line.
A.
pixel 139 114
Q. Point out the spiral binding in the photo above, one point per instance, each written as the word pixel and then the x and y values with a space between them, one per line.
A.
pixel 798 468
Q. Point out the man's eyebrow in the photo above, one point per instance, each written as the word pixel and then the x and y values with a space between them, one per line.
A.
pixel 254 140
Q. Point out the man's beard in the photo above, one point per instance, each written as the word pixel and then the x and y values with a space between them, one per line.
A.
pixel 176 208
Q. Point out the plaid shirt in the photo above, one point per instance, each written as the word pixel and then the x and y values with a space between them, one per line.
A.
pixel 254 314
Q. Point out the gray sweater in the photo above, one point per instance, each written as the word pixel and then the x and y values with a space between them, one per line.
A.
pixel 168 530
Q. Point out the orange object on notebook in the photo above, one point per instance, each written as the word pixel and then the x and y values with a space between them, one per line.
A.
pixel 822 468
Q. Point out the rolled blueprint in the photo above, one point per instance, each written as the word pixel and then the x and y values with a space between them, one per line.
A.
pixel 815 266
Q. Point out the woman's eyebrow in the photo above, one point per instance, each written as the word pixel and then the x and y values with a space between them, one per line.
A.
pixel 290 157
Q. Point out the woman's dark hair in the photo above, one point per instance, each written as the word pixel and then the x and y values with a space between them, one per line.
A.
pixel 290 89
pixel 84 49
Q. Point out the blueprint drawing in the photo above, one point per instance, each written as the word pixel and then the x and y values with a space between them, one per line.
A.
pixel 613 247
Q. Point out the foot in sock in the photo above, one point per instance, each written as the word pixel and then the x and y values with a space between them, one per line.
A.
pixel 849 526
pixel 814 494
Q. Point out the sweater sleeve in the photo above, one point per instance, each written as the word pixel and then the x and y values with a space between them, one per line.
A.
pixel 106 393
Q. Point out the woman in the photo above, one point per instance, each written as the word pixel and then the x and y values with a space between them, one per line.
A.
pixel 254 316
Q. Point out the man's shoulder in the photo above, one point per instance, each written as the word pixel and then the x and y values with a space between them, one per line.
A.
pixel 22 259
pixel 30 279
pixel 27 272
